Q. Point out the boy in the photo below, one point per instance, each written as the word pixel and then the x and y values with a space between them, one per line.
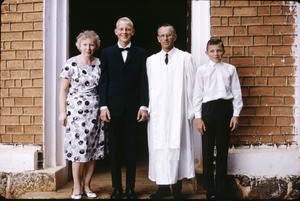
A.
pixel 217 102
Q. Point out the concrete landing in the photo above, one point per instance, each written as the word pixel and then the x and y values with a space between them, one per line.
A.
pixel 101 184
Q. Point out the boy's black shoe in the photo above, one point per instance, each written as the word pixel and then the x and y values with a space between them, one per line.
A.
pixel 210 196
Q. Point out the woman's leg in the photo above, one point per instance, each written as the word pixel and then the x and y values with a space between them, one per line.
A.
pixel 77 172
pixel 87 176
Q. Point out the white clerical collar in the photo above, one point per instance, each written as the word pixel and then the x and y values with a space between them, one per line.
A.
pixel 171 52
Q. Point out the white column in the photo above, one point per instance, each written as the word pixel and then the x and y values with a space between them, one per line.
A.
pixel 200 25
pixel 56 51
pixel 200 29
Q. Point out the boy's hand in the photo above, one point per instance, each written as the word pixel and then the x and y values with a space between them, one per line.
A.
pixel 200 125
pixel 234 122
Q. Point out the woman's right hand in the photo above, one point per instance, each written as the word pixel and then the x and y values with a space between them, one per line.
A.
pixel 62 120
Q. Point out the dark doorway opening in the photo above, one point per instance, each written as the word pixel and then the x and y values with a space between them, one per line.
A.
pixel 147 15
pixel 101 16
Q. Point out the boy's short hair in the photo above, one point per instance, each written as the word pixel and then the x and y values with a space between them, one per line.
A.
pixel 215 41
pixel 126 19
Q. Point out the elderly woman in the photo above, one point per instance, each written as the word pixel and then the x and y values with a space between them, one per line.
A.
pixel 79 113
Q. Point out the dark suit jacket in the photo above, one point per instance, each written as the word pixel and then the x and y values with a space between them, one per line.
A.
pixel 123 85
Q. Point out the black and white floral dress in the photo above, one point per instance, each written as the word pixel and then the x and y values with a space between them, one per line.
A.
pixel 84 137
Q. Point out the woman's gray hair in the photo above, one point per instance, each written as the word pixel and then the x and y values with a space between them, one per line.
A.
pixel 88 34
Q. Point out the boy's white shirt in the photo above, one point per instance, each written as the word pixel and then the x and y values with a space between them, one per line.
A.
pixel 217 81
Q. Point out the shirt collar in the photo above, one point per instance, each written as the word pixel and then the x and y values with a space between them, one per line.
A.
pixel 211 63
pixel 120 46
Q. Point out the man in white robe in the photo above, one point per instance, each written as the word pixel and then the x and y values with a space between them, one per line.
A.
pixel 170 125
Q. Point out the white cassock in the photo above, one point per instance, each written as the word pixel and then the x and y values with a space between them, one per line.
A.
pixel 170 126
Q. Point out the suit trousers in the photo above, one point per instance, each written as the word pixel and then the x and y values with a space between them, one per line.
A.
pixel 216 115
pixel 122 148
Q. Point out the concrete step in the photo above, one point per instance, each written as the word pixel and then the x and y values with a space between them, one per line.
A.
pixel 101 184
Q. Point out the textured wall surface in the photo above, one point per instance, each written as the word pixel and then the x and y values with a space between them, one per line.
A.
pixel 13 185
pixel 260 40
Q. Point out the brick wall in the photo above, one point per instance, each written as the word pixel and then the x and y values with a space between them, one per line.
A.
pixel 21 78
pixel 259 37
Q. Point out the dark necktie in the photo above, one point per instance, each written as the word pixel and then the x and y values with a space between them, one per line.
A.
pixel 123 49
pixel 166 59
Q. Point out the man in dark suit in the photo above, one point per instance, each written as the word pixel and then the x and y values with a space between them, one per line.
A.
pixel 123 101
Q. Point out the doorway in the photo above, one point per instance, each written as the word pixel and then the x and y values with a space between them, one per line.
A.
pixel 147 15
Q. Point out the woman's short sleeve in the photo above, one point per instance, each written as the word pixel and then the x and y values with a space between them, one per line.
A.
pixel 66 71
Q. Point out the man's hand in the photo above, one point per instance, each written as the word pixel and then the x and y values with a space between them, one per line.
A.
pixel 142 115
pixel 105 115
pixel 200 125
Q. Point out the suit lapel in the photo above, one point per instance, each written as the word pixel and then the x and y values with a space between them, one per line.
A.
pixel 130 54
pixel 118 53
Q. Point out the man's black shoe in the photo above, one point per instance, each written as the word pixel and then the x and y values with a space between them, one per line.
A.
pixel 222 196
pixel 130 195
pixel 178 196
pixel 160 194
pixel 176 190
pixel 117 194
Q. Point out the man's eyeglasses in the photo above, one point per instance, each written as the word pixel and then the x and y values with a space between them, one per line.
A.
pixel 165 35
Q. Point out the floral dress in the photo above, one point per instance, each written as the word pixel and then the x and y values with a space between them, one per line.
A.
pixel 84 136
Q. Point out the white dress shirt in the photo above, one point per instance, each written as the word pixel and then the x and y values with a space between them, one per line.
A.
pixel 125 52
pixel 217 81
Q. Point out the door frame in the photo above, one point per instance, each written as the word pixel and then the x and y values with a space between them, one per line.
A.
pixel 56 51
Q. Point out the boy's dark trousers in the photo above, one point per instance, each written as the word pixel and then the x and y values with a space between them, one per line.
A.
pixel 216 115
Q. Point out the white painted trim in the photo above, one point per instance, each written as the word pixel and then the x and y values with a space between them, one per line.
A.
pixel 264 162
pixel 18 158
pixel 56 51
pixel 200 34
pixel 200 26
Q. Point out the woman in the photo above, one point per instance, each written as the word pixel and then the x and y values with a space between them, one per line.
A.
pixel 79 113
